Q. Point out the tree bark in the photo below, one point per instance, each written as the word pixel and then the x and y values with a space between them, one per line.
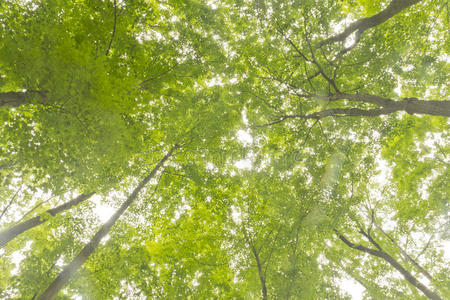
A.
pixel 16 99
pixel 63 277
pixel 387 106
pixel 13 99
pixel 409 105
pixel 7 235
pixel 361 25
pixel 382 254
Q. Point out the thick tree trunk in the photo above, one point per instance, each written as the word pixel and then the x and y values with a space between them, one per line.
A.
pixel 434 108
pixel 361 25
pixel 388 106
pixel 382 254
pixel 16 99
pixel 7 235
pixel 78 261
pixel 13 99
pixel 409 105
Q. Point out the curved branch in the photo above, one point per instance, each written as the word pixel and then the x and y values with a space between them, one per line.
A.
pixel 361 25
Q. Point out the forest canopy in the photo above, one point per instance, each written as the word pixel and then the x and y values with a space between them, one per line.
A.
pixel 232 149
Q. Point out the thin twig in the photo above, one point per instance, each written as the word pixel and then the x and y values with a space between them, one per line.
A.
pixel 10 202
pixel 114 27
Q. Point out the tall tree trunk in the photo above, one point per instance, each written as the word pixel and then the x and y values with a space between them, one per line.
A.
pixel 7 235
pixel 382 254
pixel 63 277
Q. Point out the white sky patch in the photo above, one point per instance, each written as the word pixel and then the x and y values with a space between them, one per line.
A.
pixel 243 164
pixel 102 210
pixel 214 81
pixel 398 88
pixel 209 166
pixel 350 40
pixel 181 210
pixel 244 116
pixel 384 171
pixel 149 35
pixel 212 4
pixel 352 287
pixel 339 27
pixel 197 275
pixel 244 137
pixel 60 261
pixel 18 256
pixel 233 80
pixel 236 214
pixel 446 247
pixel 30 4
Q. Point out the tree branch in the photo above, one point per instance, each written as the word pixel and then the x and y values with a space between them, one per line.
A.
pixel 114 28
pixel 361 25
pixel 10 233
pixel 10 202
pixel 389 259
pixel 16 99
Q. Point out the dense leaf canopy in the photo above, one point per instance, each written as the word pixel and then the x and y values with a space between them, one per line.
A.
pixel 234 149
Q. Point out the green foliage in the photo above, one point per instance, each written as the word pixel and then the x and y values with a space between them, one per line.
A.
pixel 254 193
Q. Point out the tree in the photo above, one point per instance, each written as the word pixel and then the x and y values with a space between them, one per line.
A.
pixel 297 122
pixel 64 276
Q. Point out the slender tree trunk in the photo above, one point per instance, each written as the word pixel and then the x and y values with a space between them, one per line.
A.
pixel 7 235
pixel 382 254
pixel 63 277
pixel 261 274
pixel 262 278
